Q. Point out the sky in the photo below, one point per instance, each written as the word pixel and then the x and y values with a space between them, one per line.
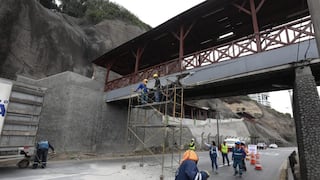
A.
pixel 156 12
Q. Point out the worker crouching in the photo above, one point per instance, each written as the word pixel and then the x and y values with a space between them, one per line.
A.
pixel 42 153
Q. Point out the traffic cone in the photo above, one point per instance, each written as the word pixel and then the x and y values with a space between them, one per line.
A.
pixel 253 159
pixel 258 165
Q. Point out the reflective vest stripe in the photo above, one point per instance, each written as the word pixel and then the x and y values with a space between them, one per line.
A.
pixel 198 176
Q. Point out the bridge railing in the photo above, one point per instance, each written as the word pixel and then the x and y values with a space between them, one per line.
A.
pixel 283 35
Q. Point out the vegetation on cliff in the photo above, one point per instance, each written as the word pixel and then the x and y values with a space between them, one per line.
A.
pixel 95 11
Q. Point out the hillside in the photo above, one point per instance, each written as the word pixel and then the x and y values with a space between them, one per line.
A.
pixel 39 42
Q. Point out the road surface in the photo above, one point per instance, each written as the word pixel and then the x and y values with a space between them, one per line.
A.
pixel 98 169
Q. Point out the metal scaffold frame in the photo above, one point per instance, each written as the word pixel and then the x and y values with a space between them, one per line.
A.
pixel 173 100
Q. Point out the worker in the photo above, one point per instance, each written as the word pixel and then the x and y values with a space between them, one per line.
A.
pixel 224 152
pixel 213 153
pixel 188 169
pixel 157 88
pixel 42 153
pixel 192 145
pixel 238 155
pixel 144 91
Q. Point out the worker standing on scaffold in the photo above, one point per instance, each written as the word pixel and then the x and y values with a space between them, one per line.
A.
pixel 144 91
pixel 157 88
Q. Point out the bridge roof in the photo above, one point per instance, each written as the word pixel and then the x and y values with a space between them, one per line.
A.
pixel 209 20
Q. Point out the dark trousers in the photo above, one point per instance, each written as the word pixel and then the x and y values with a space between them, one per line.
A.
pixel 144 98
pixel 214 161
pixel 244 167
pixel 237 163
pixel 225 155
pixel 41 155
pixel 157 96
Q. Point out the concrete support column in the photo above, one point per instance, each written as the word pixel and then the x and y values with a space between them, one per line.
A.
pixel 306 111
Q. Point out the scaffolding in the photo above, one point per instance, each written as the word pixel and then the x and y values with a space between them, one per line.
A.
pixel 142 119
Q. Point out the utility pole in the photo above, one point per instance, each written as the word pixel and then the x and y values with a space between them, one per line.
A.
pixel 314 6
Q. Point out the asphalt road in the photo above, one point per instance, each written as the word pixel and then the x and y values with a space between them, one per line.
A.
pixel 98 169
pixel 271 161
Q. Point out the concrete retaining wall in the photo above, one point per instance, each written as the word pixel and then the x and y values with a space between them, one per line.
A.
pixel 75 116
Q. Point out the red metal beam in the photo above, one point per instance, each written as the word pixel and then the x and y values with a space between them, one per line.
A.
pixel 255 24
pixel 241 8
pixel 260 5
pixel 181 46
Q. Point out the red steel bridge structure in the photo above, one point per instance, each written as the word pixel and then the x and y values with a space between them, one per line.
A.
pixel 286 24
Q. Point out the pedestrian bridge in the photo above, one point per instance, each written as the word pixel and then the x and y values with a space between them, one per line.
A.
pixel 261 72
pixel 220 48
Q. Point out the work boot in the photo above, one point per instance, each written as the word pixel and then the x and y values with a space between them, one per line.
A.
pixel 43 166
pixel 34 166
pixel 235 173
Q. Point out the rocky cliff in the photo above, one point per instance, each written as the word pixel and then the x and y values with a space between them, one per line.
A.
pixel 39 42
pixel 263 123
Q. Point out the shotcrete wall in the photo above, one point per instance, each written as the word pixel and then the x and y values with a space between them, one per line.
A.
pixel 75 116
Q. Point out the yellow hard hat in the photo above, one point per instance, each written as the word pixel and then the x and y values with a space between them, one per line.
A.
pixel 155 75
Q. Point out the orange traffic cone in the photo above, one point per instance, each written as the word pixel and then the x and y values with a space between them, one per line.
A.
pixel 253 159
pixel 258 165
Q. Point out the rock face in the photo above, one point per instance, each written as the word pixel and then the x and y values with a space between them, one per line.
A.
pixel 263 123
pixel 38 42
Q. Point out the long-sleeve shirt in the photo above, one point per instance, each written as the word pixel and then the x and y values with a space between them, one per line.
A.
pixel 44 145
pixel 212 149
pixel 143 87
pixel 238 154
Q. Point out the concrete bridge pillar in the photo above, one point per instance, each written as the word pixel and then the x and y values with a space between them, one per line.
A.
pixel 306 111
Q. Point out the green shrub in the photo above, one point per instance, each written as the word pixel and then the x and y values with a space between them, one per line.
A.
pixel 96 11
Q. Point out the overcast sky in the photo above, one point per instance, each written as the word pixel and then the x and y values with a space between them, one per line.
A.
pixel 156 12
